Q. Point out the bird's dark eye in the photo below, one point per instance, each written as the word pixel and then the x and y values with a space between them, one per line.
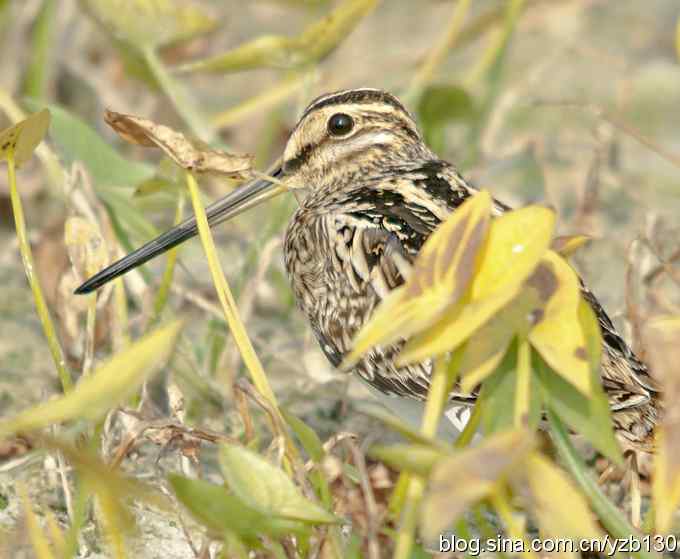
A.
pixel 340 124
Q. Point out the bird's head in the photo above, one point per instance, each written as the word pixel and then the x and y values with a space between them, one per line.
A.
pixel 341 136
pixel 341 133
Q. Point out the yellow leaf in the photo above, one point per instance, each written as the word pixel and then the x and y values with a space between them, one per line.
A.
pixel 487 346
pixel 561 511
pixel 440 277
pixel 469 476
pixel 110 384
pixel 85 245
pixel 22 138
pixel 516 242
pixel 558 335
pixel 677 39
pixel 662 339
pixel 569 244
pixel 150 23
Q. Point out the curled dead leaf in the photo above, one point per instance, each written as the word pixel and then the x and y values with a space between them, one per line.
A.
pixel 187 154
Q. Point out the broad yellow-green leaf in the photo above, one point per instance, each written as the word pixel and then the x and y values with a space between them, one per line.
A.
pixel 419 459
pixel 558 335
pixel 677 39
pixel 221 511
pixel 662 339
pixel 499 392
pixel 569 244
pixel 487 346
pixel 516 242
pixel 266 488
pixel 469 476
pixel 560 510
pixel 150 23
pixel 277 51
pixel 109 385
pixel 22 138
pixel 440 277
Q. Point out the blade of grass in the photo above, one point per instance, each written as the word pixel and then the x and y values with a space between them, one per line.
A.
pixel 38 540
pixel 38 70
pixel 610 516
pixel 438 53
pixel 179 98
pixel 27 256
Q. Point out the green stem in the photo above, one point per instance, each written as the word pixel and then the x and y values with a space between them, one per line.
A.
pixel 169 272
pixel 438 53
pixel 610 516
pixel 29 267
pixel 36 77
pixel 183 104
pixel 434 407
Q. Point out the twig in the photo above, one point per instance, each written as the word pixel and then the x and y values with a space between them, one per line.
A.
pixel 373 519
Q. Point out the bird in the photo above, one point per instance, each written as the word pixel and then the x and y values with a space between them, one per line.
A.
pixel 370 192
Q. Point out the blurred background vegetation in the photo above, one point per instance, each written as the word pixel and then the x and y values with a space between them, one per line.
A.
pixel 571 102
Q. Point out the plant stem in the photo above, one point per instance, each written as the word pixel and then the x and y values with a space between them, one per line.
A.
pixel 162 295
pixel 227 301
pixel 610 516
pixel 183 104
pixel 29 267
pixel 434 407
pixel 500 501
pixel 523 386
pixel 438 53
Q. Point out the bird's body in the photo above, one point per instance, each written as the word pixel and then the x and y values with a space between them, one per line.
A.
pixel 371 192
pixel 355 236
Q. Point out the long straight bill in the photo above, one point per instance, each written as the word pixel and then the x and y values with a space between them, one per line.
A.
pixel 243 198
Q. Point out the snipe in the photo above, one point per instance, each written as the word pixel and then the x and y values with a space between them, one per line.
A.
pixel 372 194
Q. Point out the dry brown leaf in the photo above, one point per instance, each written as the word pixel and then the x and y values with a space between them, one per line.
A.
pixel 187 154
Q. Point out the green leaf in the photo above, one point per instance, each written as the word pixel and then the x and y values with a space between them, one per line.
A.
pixel 76 141
pixel 267 489
pixel 469 476
pixel 516 242
pixel 110 384
pixel 220 511
pixel 277 51
pixel 587 416
pixel 419 459
pixel 22 138
pixel 439 279
pixel 440 105
pixel 150 23
pixel 308 437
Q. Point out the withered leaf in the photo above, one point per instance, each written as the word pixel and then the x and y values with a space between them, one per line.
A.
pixel 186 153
